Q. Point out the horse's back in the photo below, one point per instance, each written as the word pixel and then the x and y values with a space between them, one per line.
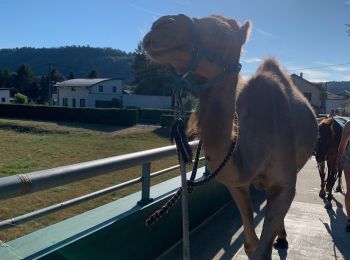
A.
pixel 286 120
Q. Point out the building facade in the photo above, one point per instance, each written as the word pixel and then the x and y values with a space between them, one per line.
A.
pixel 103 93
pixel 4 95
pixel 314 92
pixel 88 92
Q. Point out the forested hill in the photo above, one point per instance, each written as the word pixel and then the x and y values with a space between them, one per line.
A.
pixel 80 60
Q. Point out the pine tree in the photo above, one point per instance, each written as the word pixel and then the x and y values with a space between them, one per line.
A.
pixel 71 75
pixel 93 74
pixel 150 78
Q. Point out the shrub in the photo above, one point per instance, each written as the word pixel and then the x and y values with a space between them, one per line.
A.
pixel 21 98
pixel 153 116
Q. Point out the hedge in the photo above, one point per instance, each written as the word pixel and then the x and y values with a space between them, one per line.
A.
pixel 153 116
pixel 122 117
pixel 167 120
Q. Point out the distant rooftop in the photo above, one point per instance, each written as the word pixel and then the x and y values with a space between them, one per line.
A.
pixel 81 82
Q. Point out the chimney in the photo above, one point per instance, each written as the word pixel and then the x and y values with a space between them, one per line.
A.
pixel 301 75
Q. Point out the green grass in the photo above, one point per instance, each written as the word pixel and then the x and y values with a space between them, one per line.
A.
pixel 28 146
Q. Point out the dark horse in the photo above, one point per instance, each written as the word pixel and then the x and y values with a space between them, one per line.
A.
pixel 330 132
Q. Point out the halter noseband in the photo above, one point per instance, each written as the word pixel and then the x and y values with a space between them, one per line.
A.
pixel 198 53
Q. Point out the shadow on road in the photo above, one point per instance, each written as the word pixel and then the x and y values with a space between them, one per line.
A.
pixel 336 229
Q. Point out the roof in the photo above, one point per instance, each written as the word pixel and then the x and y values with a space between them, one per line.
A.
pixel 82 82
pixel 5 89
pixel 317 85
pixel 331 96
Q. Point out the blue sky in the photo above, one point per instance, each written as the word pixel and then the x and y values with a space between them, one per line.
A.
pixel 307 36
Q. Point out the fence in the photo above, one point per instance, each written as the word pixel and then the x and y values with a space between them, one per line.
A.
pixel 22 184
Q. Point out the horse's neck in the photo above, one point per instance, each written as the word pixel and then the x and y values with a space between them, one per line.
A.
pixel 216 113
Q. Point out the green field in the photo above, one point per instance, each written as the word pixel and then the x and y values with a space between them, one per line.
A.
pixel 28 146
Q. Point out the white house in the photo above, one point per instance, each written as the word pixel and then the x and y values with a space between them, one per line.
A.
pixel 314 92
pixel 102 93
pixel 99 92
pixel 4 95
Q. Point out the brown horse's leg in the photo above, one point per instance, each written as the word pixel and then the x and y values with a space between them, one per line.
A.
pixel 281 241
pixel 321 168
pixel 242 198
pixel 339 186
pixel 330 182
pixel 279 199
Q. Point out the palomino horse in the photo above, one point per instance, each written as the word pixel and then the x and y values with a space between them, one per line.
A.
pixel 330 132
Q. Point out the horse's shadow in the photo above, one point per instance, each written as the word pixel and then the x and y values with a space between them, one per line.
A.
pixel 336 229
pixel 230 241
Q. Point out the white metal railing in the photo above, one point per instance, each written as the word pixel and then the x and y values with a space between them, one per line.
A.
pixel 22 184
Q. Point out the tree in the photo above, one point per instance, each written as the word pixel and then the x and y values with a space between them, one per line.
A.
pixel 71 75
pixel 151 78
pixel 26 82
pixel 21 99
pixel 348 31
pixel 190 102
pixel 5 78
pixel 93 74
pixel 56 76
pixel 43 89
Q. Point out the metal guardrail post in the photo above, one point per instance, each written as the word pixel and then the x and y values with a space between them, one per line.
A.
pixel 146 184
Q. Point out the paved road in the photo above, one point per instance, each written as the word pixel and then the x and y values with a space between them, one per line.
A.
pixel 313 232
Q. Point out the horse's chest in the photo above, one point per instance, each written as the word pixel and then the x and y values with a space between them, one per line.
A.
pixel 231 176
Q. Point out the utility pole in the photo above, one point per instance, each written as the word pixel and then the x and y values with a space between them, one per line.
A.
pixel 49 78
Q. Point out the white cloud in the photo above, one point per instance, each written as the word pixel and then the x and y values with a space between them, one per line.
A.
pixel 265 33
pixel 251 60
pixel 334 67
pixel 347 2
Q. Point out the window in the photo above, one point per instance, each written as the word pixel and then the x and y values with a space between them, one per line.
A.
pixel 100 88
pixel 65 102
pixel 3 100
pixel 82 102
pixel 73 102
pixel 114 89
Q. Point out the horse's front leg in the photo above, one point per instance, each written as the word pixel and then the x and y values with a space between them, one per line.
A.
pixel 279 199
pixel 281 241
pixel 339 187
pixel 242 199
pixel 321 171
pixel 330 183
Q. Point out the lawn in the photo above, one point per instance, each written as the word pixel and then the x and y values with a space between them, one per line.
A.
pixel 28 146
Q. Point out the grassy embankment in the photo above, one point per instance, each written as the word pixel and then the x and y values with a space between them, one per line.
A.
pixel 28 146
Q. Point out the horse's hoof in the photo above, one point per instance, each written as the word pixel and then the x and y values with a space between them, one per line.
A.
pixel 328 205
pixel 322 194
pixel 281 244
pixel 338 189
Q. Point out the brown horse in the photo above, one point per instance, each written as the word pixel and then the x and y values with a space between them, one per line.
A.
pixel 330 132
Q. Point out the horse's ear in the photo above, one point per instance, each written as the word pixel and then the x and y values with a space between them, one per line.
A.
pixel 245 31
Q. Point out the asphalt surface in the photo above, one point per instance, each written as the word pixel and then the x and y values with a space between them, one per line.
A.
pixel 312 231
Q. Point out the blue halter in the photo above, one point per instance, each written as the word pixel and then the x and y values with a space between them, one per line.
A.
pixel 199 53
